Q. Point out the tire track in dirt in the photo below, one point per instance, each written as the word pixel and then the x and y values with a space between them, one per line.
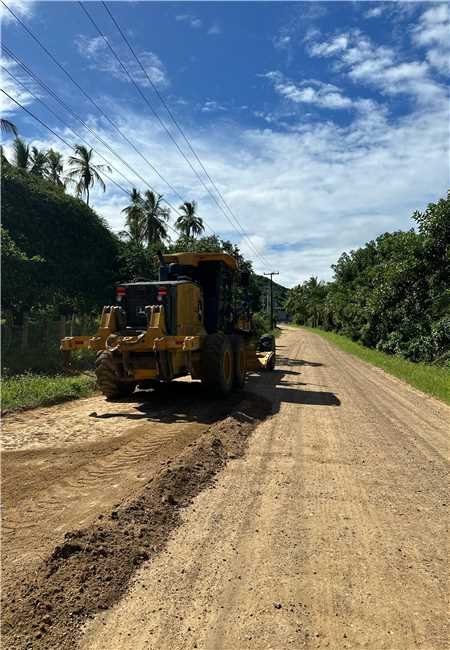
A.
pixel 328 533
pixel 51 485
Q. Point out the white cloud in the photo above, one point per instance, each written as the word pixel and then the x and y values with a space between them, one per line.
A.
pixel 23 8
pixel 337 44
pixel 96 51
pixel 282 42
pixel 16 90
pixel 379 66
pixel 303 196
pixel 375 12
pixel 433 32
pixel 309 92
pixel 212 107
pixel 190 20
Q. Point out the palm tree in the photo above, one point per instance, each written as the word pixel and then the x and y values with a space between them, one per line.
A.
pixel 188 223
pixel 8 127
pixel 38 160
pixel 21 154
pixel 135 219
pixel 155 218
pixel 84 173
pixel 55 167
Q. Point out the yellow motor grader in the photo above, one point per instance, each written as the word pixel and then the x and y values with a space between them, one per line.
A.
pixel 195 320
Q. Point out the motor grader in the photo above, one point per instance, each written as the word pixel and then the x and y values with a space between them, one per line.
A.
pixel 195 320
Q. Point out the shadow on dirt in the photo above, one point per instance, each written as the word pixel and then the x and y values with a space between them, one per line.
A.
pixel 273 386
pixel 188 401
pixel 179 401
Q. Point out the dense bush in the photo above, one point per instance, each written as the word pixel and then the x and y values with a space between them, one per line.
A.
pixel 392 294
pixel 58 250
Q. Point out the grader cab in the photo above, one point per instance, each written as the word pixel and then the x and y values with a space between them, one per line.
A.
pixel 194 320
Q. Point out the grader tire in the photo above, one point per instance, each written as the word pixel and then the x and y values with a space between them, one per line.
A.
pixel 217 364
pixel 107 380
pixel 239 362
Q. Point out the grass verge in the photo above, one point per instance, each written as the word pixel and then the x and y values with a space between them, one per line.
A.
pixel 28 391
pixel 432 380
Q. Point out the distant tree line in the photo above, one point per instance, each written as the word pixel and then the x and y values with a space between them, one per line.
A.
pixel 392 294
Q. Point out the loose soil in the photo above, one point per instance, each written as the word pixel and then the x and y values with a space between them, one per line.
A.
pixel 330 532
pixel 90 568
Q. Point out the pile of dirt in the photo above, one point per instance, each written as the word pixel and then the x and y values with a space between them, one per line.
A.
pixel 92 568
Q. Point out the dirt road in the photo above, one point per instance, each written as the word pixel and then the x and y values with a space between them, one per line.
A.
pixel 330 532
pixel 63 466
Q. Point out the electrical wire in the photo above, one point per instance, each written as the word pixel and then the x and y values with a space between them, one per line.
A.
pixel 113 124
pixel 42 123
pixel 94 103
pixel 175 122
pixel 36 78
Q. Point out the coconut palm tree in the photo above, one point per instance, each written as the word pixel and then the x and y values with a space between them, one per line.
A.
pixel 8 127
pixel 55 167
pixel 188 223
pixel 135 218
pixel 21 154
pixel 84 173
pixel 155 218
pixel 38 162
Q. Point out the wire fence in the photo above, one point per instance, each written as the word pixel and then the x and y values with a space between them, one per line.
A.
pixel 33 344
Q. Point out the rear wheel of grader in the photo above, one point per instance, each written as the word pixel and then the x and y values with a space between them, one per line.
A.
pixel 107 379
pixel 217 367
pixel 239 362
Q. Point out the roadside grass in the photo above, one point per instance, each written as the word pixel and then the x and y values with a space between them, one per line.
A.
pixel 28 391
pixel 432 380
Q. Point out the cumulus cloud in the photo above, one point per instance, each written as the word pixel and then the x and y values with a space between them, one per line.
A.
pixel 303 196
pixel 13 88
pixel 190 20
pixel 375 12
pixel 312 91
pixel 380 66
pixel 433 33
pixel 100 58
pixel 23 9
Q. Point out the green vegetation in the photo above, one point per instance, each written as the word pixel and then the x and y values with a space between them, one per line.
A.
pixel 60 263
pixel 429 379
pixel 393 294
pixel 28 391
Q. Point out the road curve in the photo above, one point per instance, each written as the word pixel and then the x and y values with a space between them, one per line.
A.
pixel 331 532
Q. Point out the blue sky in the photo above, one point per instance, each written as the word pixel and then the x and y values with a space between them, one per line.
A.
pixel 323 124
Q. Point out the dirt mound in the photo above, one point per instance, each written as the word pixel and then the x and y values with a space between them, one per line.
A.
pixel 92 568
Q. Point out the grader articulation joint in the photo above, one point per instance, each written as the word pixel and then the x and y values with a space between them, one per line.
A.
pixel 193 321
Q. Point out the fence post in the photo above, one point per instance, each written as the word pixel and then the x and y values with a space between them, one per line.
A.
pixel 24 341
pixel 72 320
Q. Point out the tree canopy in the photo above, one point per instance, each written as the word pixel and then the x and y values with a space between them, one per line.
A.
pixel 392 294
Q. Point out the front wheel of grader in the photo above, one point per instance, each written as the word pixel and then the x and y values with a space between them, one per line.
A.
pixel 107 378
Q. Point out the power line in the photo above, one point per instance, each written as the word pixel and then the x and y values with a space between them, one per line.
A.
pixel 85 94
pixel 110 121
pixel 70 146
pixel 55 134
pixel 186 139
pixel 161 98
pixel 72 112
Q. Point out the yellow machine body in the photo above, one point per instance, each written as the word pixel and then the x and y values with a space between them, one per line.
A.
pixel 171 340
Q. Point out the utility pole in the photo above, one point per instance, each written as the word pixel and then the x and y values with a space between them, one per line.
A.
pixel 271 274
